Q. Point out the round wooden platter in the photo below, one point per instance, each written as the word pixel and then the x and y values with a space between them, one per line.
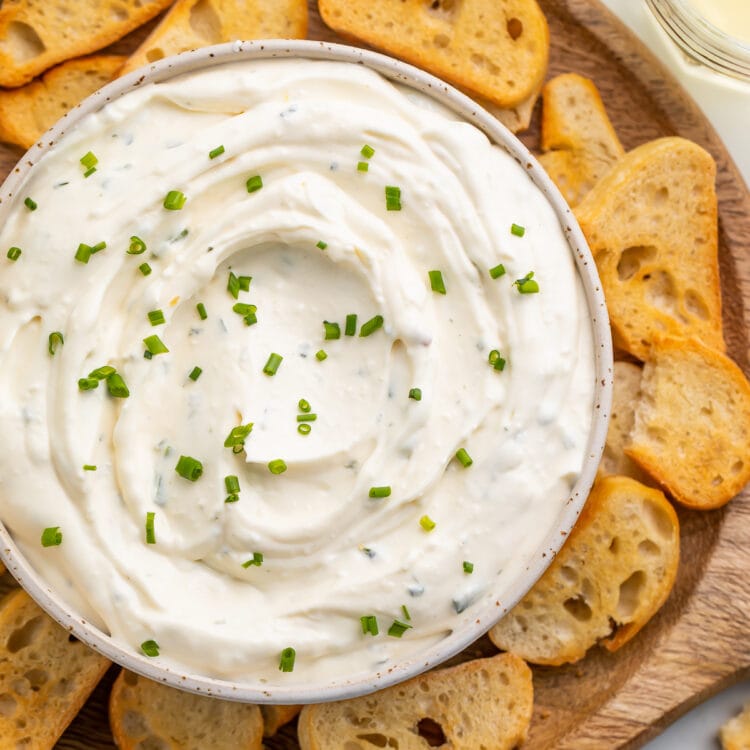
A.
pixel 698 643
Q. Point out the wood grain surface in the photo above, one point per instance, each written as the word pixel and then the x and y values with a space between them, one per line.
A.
pixel 699 642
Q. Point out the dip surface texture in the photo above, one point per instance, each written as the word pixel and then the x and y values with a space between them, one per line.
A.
pixel 296 557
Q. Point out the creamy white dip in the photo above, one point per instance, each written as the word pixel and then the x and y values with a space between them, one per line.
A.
pixel 331 554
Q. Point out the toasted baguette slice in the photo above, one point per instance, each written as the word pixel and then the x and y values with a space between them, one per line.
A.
pixel 651 223
pixel 579 139
pixel 485 703
pixel 191 24
pixel 45 674
pixel 516 118
pixel 617 566
pixel 497 49
pixel 627 389
pixel 37 34
pixel 146 714
pixel 274 717
pixel 692 424
pixel 735 734
pixel 28 111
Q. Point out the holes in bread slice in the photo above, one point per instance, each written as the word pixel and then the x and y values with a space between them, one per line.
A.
pixel 577 607
pixel 25 635
pixel 632 259
pixel 515 28
pixel 205 22
pixel 443 9
pixel 8 705
pixel 373 740
pixel 430 731
pixel 631 590
pixel 22 42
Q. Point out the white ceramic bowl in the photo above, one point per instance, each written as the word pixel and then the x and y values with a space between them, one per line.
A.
pixel 484 615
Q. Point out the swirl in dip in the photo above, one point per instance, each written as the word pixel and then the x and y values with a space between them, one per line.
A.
pixel 224 580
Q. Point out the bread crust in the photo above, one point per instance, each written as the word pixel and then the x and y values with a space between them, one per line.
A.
pixel 618 565
pixel 497 49
pixel 692 424
pixel 33 38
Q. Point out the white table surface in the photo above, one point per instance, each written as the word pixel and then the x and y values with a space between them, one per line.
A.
pixel 726 103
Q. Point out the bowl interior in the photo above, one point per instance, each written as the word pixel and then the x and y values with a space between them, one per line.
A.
pixel 484 617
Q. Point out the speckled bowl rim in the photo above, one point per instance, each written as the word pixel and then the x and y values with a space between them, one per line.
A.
pixel 483 618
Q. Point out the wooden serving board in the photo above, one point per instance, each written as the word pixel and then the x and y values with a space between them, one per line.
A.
pixel 698 643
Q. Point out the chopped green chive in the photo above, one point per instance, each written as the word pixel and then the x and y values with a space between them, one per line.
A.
pixel 306 417
pixel 189 468
pixel 150 648
pixel 436 281
pixel 254 183
pixel 277 466
pixel 52 537
pixel 89 467
pixel 137 246
pixel 304 428
pixel 242 308
pixel 371 325
pixel 237 436
pixel 367 151
pixel 427 523
pixel 232 499
pixel 145 269
pixel 55 339
pixel 517 230
pixel 286 663
pixel 369 625
pixel 527 285
pixel 30 204
pixel 322 245
pixel 464 458
pixel 398 628
pixel 496 360
pixel 245 283
pixel 392 198
pixel 250 319
pixel 174 200
pixel 272 365
pixel 497 271
pixel 83 253
pixel 147 355
pixel 232 483
pixel 116 386
pixel 416 394
pixel 363 166
pixel 89 160
pixel 195 373
pixel 156 318
pixel 320 355
pixel 14 253
pixel 88 384
pixel 150 534
pixel 89 172
pixel 468 567
pixel 332 330
pixel 407 616
pixel 380 492
pixel 233 285
pixel 303 405
pixel 256 560
pixel 103 372
pixel 201 308
pixel 99 246
pixel 155 345
pixel 350 328
pixel 214 152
